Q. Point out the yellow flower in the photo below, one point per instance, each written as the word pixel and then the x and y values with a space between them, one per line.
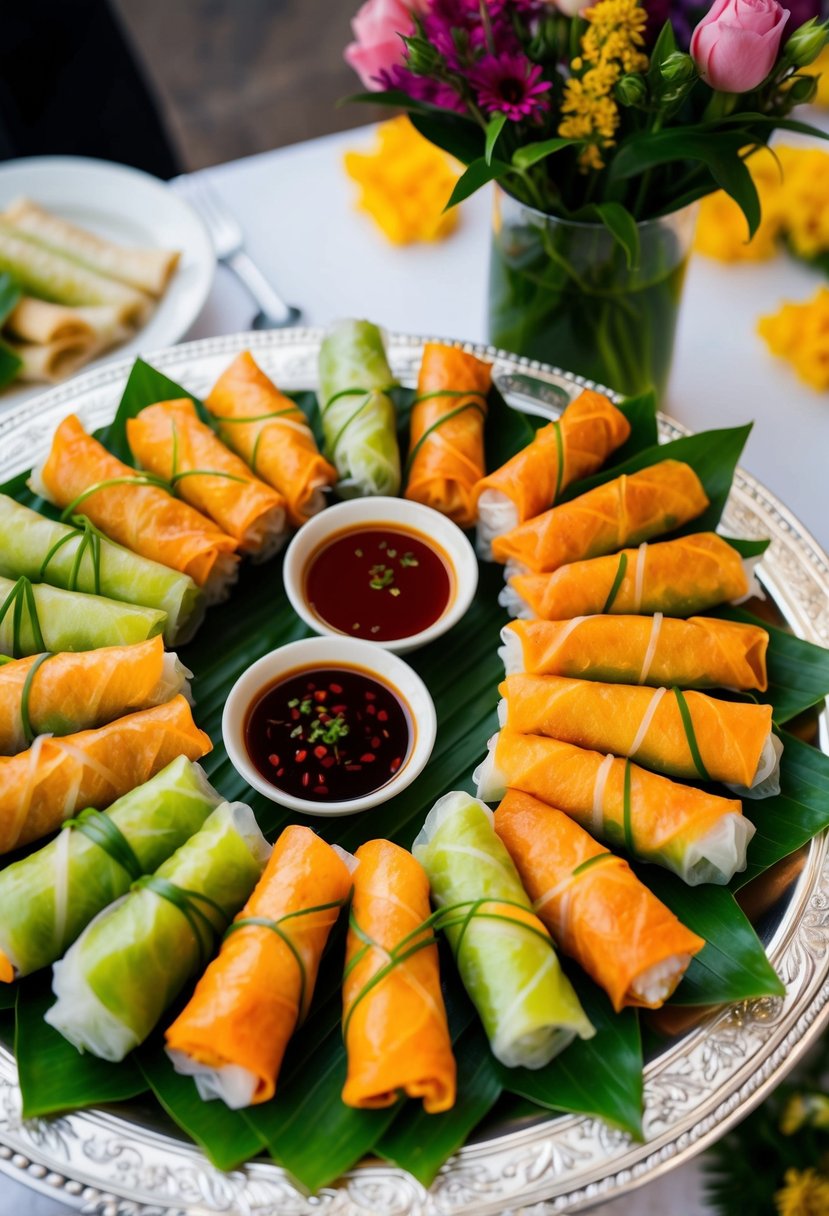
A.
pixel 805 1193
pixel 800 333
pixel 405 183
pixel 804 1110
pixel 820 68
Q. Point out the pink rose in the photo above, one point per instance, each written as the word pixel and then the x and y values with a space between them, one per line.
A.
pixel 735 45
pixel 378 46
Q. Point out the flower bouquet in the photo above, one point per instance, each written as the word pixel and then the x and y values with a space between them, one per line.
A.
pixel 601 134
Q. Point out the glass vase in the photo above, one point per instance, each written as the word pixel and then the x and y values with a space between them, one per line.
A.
pixel 562 292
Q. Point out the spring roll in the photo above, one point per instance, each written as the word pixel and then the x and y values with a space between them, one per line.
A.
pixel 271 433
pixel 37 617
pixel 79 560
pixel 394 1021
pixel 574 446
pixel 49 897
pixel 677 577
pixel 625 511
pixel 80 472
pixel 147 270
pixel 505 955
pixel 57 360
pixel 594 905
pixel 41 322
pixel 45 785
pixel 699 836
pixel 358 416
pixel 446 452
pixel 232 1035
pixel 681 734
pixel 170 440
pixel 60 694
pixel 698 653
pixel 132 961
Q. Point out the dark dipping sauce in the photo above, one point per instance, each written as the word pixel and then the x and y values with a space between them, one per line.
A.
pixel 328 734
pixel 380 583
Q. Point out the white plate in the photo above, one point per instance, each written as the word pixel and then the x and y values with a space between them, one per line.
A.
pixel 132 208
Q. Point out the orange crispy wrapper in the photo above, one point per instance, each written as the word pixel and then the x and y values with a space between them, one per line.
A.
pixel 145 519
pixel 250 999
pixel 625 511
pixel 45 785
pixel 270 432
pixel 447 433
pixel 169 438
pixel 396 1035
pixel 597 910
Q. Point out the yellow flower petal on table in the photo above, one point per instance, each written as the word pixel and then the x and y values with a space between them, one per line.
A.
pixel 800 334
pixel 404 184
pixel 804 1193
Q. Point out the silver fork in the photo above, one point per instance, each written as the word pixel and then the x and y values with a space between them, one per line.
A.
pixel 228 242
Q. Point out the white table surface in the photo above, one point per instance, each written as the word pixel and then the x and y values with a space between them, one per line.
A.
pixel 296 208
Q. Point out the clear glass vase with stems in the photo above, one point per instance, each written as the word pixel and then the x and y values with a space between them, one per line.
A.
pixel 562 291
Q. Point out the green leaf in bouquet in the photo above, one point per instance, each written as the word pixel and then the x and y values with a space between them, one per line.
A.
pixel 493 129
pixel 477 174
pixel 8 996
pixel 798 671
pixel 620 224
pixel 601 1076
pixel 54 1076
pixel 458 136
pixel 732 965
pixel 532 154
pixel 664 46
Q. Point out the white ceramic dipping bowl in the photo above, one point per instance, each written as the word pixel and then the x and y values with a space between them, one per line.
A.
pixel 335 651
pixel 363 512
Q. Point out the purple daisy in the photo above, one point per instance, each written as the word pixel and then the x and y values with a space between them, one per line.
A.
pixel 510 84
pixel 421 88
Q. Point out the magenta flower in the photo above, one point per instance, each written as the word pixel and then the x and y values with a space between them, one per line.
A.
pixel 421 88
pixel 510 84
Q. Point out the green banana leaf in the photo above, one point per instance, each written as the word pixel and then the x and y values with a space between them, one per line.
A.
pixel 798 671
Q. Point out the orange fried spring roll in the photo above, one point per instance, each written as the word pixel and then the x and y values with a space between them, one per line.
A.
pixel 561 452
pixel 143 518
pixel 232 1035
pixel 447 435
pixel 169 439
pixel 594 905
pixel 45 785
pixel 690 574
pixel 698 653
pixel 395 1028
pixel 625 511
pixel 70 691
pixel 270 432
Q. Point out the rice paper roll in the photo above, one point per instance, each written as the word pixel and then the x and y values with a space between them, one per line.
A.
pixel 504 953
pixel 446 452
pixel 699 836
pixel 55 361
pixel 41 322
pixel 394 1021
pixel 625 511
pixel 132 961
pixel 676 577
pixel 271 434
pixel 231 1036
pixel 55 778
pixel 574 446
pixel 80 474
pixel 594 905
pixel 80 559
pixel 171 441
pixel 35 617
pixel 358 416
pixel 59 694
pixel 681 734
pixel 49 897
pixel 698 653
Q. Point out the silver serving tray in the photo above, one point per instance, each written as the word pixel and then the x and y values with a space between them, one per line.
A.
pixel 121 1162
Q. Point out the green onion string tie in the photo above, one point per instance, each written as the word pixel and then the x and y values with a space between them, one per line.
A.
pixel 293 409
pixel 138 479
pixel 617 582
pixel 627 810
pixel 350 392
pixel 177 475
pixel 187 903
pixel 275 926
pixel 89 542
pixel 102 831
pixel 690 734
pixel 21 599
pixel 25 720
pixel 559 459
pixel 448 917
pixel 592 861
pixel 460 409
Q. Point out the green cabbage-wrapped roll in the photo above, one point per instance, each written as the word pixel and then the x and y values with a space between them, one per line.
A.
pixel 131 962
pixel 505 955
pixel 35 617
pixel 49 897
pixel 77 560
pixel 358 418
